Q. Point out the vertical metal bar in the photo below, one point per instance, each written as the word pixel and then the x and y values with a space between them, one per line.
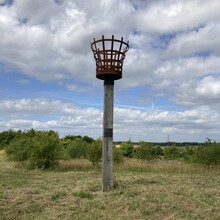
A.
pixel 103 46
pixel 112 48
pixel 119 52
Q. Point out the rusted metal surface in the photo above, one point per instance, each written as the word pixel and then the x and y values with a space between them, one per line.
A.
pixel 109 55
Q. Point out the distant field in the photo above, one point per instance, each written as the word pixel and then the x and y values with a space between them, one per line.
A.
pixel 143 190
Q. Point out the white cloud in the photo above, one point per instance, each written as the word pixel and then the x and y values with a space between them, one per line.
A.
pixel 174 16
pixel 66 118
pixel 195 42
pixel 203 92
pixel 36 11
pixel 76 88
pixel 22 107
pixel 180 77
pixel 173 53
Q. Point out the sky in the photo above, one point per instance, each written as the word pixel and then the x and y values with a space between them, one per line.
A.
pixel 170 88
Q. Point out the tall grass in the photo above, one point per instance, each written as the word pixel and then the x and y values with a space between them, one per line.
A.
pixel 163 166
pixel 77 164
pixel 135 165
pixel 130 164
pixel 143 190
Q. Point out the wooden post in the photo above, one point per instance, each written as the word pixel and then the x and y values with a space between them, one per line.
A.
pixel 109 54
pixel 107 154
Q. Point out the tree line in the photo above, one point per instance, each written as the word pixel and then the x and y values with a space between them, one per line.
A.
pixel 43 149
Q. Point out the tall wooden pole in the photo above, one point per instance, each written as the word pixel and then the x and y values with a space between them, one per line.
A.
pixel 107 154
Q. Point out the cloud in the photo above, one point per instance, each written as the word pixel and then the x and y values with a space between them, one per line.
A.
pixel 203 92
pixel 22 107
pixel 76 88
pixel 69 119
pixel 36 12
pixel 6 2
pixel 175 16
pixel 201 41
pixel 173 54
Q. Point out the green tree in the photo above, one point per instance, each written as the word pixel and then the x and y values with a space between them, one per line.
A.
pixel 46 150
pixel 208 154
pixel 146 151
pixel 87 139
pixel 188 153
pixel 94 152
pixel 128 148
pixel 77 148
pixel 72 137
pixel 118 155
pixel 20 148
pixel 7 136
pixel 171 152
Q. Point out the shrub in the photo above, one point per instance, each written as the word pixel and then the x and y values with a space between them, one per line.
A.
pixel 94 152
pixel 77 148
pixel 46 150
pixel 208 154
pixel 19 149
pixel 188 153
pixel 87 139
pixel 146 151
pixel 159 151
pixel 171 152
pixel 128 149
pixel 7 136
pixel 118 155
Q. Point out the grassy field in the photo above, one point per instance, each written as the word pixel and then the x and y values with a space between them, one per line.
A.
pixel 143 190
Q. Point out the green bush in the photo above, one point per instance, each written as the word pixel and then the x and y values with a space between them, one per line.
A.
pixel 208 154
pixel 147 151
pixel 46 150
pixel 40 148
pixel 19 149
pixel 7 136
pixel 188 153
pixel 128 149
pixel 94 152
pixel 87 139
pixel 118 155
pixel 77 148
pixel 159 151
pixel 171 152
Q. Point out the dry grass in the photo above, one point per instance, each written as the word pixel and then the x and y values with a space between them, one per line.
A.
pixel 76 164
pixel 164 166
pixel 166 191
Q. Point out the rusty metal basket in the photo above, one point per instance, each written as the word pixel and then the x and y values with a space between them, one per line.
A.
pixel 109 55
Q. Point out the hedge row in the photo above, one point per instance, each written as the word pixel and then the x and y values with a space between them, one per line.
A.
pixel 42 149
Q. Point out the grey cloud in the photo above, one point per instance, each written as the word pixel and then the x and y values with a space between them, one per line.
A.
pixel 195 42
pixel 203 92
pixel 51 42
pixel 67 118
pixel 174 16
